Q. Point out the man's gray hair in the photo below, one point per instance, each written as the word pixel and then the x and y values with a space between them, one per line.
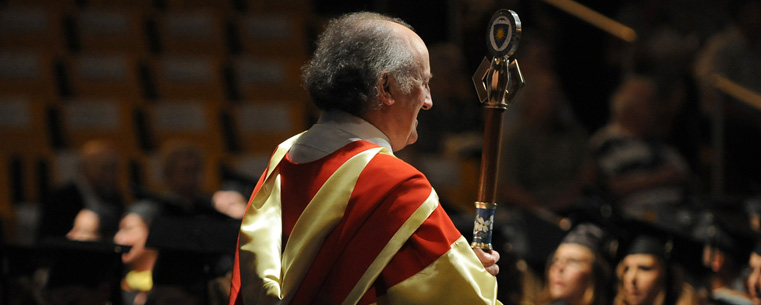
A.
pixel 353 53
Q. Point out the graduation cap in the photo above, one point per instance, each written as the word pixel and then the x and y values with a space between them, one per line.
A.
pixel 597 226
pixel 726 228
pixel 644 237
pixel 588 235
pixel 624 235
pixel 652 245
pixel 600 238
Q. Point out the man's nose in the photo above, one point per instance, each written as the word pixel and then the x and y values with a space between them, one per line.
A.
pixel 428 103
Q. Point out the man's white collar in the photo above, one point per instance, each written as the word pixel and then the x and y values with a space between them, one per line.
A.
pixel 335 129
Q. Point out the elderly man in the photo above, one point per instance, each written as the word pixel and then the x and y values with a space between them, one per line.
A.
pixel 337 218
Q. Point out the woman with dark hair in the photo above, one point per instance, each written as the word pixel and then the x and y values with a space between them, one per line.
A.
pixel 645 276
pixel 578 272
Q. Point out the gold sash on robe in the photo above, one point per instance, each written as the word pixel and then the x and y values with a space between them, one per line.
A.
pixel 276 277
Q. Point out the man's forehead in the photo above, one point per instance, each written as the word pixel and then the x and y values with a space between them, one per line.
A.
pixel 408 36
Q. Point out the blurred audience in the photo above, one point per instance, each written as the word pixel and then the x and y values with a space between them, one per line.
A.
pixel 95 188
pixel 643 160
pixel 643 176
pixel 182 192
pixel 532 175
pixel 187 263
pixel 182 176
pixel 533 178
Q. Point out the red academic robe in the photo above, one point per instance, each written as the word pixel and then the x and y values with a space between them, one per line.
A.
pixel 359 226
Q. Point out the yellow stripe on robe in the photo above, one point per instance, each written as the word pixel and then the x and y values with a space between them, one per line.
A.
pixel 435 284
pixel 392 247
pixel 278 275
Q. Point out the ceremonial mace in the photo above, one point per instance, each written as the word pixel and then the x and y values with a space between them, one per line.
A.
pixel 497 82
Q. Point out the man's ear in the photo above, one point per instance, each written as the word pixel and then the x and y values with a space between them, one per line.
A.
pixel 384 89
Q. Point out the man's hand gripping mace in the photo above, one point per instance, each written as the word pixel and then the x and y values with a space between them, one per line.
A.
pixel 497 83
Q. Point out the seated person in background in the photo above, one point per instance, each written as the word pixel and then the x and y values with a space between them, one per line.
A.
pixel 544 149
pixel 183 193
pixel 186 262
pixel 95 187
pixel 139 261
pixel 646 276
pixel 81 272
pixel 182 168
pixel 532 174
pixel 578 272
pixel 646 178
